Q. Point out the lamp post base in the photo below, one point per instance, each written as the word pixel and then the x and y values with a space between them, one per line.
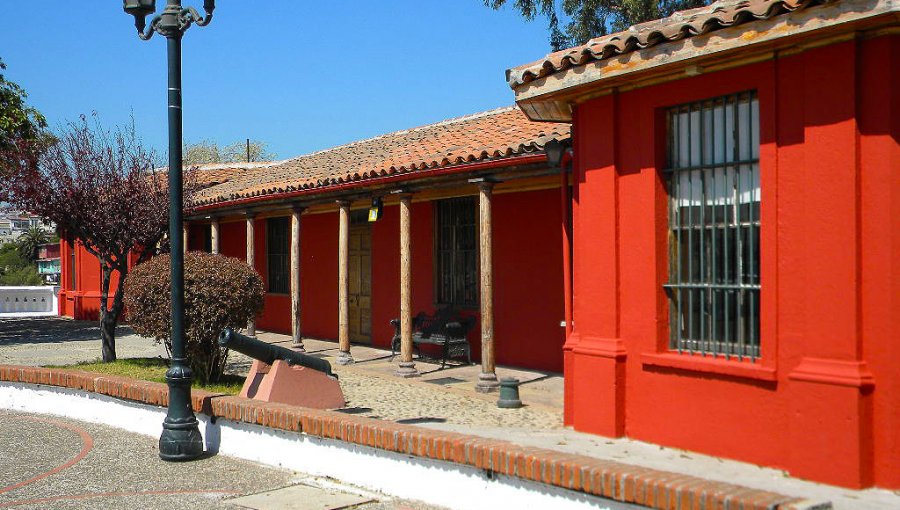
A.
pixel 180 442
pixel 180 439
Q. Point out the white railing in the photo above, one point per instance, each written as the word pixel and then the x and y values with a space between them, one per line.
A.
pixel 25 301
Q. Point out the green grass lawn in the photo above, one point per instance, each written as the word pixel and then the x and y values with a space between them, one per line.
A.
pixel 153 369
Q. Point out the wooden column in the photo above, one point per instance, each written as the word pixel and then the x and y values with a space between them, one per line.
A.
pixel 487 379
pixel 251 261
pixel 296 331
pixel 214 236
pixel 186 228
pixel 344 357
pixel 407 367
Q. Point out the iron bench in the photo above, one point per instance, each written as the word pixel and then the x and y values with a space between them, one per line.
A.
pixel 447 328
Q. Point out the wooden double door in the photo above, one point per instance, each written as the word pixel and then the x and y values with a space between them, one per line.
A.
pixel 360 291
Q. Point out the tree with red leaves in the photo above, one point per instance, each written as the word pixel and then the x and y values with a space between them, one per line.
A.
pixel 101 189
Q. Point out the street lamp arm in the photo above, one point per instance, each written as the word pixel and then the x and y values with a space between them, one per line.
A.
pixel 196 17
pixel 146 35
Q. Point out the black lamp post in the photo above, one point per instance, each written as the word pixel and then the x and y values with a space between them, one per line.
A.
pixel 180 439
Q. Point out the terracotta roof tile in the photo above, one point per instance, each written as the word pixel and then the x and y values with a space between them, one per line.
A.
pixel 495 134
pixel 680 25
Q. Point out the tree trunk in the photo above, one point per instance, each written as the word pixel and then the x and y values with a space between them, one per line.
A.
pixel 107 319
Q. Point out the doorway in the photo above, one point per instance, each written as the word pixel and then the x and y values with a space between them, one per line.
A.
pixel 360 294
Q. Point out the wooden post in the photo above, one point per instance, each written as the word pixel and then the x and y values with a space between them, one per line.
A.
pixel 214 236
pixel 296 332
pixel 487 379
pixel 407 367
pixel 187 230
pixel 251 261
pixel 344 357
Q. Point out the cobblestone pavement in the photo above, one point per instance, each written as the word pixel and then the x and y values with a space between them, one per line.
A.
pixel 61 463
pixel 369 385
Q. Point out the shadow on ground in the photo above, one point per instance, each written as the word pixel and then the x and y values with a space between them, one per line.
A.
pixel 50 330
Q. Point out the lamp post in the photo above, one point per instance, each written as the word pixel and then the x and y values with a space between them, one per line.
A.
pixel 180 439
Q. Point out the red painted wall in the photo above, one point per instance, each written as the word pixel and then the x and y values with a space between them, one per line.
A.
pixel 830 200
pixel 83 301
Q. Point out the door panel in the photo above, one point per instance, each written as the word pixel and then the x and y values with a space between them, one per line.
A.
pixel 360 292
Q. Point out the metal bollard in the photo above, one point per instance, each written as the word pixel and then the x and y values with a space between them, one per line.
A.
pixel 509 393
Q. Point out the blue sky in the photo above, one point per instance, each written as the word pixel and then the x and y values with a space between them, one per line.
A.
pixel 300 75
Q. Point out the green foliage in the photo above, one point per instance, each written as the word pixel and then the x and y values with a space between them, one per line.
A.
pixel 17 120
pixel 207 151
pixel 16 270
pixel 30 241
pixel 588 19
pixel 219 292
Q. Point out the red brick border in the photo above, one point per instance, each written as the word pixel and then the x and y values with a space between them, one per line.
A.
pixel 613 480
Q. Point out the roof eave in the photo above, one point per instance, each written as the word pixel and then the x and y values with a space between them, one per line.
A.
pixel 551 98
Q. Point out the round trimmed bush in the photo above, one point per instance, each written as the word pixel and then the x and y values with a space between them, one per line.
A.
pixel 219 292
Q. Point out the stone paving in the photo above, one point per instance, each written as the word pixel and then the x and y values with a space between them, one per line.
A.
pixel 67 464
pixel 438 396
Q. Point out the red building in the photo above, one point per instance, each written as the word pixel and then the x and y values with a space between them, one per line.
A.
pixel 736 233
pixel 722 245
pixel 448 175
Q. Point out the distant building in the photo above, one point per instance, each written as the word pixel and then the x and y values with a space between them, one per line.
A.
pixel 15 223
pixel 48 263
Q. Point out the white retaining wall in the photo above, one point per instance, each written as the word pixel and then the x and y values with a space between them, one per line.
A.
pixel 29 301
pixel 440 483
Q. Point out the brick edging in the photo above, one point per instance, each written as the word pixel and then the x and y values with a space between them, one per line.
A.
pixel 609 479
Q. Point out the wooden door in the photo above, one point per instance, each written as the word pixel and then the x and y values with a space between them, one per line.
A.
pixel 360 295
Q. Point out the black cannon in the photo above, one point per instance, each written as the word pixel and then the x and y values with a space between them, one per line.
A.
pixel 268 353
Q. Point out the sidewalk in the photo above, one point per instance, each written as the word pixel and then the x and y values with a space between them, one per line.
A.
pixel 446 400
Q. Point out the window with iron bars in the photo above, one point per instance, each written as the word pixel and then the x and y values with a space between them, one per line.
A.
pixel 278 254
pixel 456 252
pixel 714 205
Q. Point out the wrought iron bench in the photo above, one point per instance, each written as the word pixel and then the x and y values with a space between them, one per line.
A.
pixel 446 328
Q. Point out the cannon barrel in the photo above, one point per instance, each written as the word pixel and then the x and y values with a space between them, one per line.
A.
pixel 268 353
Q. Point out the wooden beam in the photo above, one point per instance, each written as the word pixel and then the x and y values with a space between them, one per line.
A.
pixel 296 331
pixel 214 236
pixel 407 367
pixel 344 357
pixel 251 261
pixel 487 379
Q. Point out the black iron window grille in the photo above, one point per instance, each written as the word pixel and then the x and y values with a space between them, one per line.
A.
pixel 278 254
pixel 714 205
pixel 456 252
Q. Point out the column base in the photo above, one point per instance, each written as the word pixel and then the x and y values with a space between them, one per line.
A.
pixel 298 346
pixel 344 358
pixel 487 383
pixel 407 369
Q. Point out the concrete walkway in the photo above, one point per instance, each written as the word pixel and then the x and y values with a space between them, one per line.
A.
pixel 58 463
pixel 445 399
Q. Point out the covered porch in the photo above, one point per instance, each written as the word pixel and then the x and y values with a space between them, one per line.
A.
pixel 343 256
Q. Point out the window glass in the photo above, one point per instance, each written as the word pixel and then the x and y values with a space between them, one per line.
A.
pixel 456 252
pixel 278 254
pixel 714 218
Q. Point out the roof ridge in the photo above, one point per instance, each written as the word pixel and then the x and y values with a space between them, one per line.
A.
pixel 446 122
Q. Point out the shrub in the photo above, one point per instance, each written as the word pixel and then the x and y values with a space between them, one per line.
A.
pixel 219 292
